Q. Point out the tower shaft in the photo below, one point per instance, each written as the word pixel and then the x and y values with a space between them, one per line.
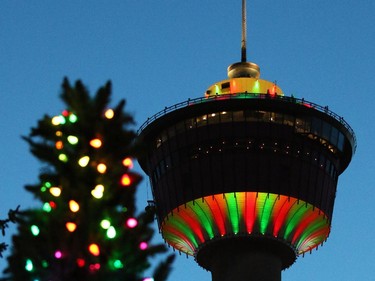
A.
pixel 244 259
pixel 247 266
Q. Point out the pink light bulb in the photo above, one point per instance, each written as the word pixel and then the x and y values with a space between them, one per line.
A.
pixel 58 254
pixel 94 267
pixel 132 222
pixel 143 246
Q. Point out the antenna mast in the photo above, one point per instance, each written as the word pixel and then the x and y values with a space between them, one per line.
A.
pixel 243 68
pixel 243 42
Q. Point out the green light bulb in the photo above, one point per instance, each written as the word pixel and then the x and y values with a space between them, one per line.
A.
pixel 118 264
pixel 73 118
pixel 35 230
pixel 72 140
pixel 63 157
pixel 44 263
pixel 105 224
pixel 111 232
pixel 47 207
pixel 29 265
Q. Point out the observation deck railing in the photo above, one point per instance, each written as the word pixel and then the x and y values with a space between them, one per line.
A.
pixel 286 99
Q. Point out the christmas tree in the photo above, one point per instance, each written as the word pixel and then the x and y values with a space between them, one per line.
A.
pixel 87 227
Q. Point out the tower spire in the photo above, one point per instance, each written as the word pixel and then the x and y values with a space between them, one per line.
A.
pixel 243 43
pixel 243 68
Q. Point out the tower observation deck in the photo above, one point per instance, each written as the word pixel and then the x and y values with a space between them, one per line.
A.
pixel 244 179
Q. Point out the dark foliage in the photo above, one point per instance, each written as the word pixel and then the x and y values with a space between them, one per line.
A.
pixel 4 224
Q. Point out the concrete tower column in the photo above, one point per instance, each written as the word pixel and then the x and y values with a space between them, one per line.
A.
pixel 247 266
pixel 255 260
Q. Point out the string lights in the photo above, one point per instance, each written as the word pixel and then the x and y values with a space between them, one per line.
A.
pixel 131 222
pixel 126 180
pixel 72 140
pixel 84 161
pixel 102 168
pixel 143 245
pixel 72 149
pixel 58 254
pixel 94 249
pixel 29 266
pixel 73 206
pixel 98 191
pixel 128 163
pixel 71 226
pixel 96 143
pixel 109 114
pixel 35 230
pixel 55 191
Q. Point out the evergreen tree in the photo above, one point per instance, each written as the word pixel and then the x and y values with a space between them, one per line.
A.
pixel 87 227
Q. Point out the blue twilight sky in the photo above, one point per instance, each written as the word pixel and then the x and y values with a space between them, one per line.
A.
pixel 158 53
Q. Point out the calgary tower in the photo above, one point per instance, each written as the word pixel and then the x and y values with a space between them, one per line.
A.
pixel 244 179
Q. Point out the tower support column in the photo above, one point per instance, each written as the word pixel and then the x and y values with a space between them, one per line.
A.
pixel 247 266
pixel 244 260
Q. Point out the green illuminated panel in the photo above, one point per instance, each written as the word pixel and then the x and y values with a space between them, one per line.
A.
pixel 245 213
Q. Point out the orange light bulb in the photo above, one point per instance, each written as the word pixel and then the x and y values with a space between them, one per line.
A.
pixel 96 143
pixel 128 163
pixel 94 249
pixel 73 206
pixel 59 145
pixel 71 226
pixel 126 180
pixel 102 168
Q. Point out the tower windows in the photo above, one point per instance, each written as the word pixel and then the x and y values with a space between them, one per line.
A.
pixel 312 127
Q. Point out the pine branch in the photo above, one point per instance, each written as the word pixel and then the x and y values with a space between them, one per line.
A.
pixel 12 217
pixel 162 272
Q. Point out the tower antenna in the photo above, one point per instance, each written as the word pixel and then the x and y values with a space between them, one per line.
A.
pixel 243 42
pixel 243 68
